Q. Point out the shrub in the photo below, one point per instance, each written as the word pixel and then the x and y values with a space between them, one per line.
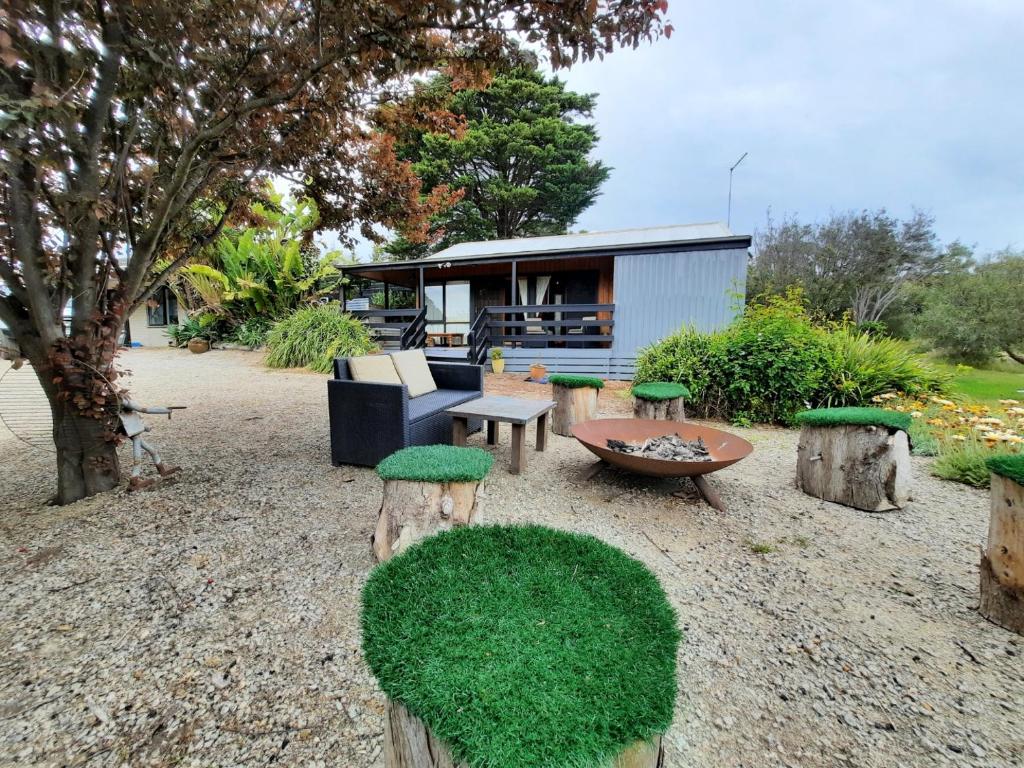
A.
pixel 776 360
pixel 867 365
pixel 963 462
pixel 252 333
pixel 313 336
pixel 773 362
pixel 684 358
pixel 204 326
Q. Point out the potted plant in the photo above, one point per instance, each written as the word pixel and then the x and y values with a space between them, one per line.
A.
pixel 193 333
pixel 497 359
pixel 538 371
pixel 197 345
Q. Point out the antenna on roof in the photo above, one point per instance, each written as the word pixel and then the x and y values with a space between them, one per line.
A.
pixel 728 215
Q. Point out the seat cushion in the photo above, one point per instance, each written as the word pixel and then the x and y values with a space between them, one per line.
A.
pixel 378 369
pixel 414 372
pixel 438 400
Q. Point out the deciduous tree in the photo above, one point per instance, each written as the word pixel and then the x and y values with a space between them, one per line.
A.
pixel 116 117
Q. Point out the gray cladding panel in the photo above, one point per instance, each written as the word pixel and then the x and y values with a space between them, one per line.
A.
pixel 658 293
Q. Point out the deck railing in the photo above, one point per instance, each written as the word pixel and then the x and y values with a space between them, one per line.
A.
pixel 536 326
pixel 395 328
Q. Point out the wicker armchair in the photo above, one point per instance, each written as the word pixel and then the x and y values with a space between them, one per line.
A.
pixel 371 421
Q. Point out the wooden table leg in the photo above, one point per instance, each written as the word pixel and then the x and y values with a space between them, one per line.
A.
pixel 460 427
pixel 542 432
pixel 492 432
pixel 518 448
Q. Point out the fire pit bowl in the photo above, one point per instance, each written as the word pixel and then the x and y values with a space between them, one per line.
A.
pixel 725 449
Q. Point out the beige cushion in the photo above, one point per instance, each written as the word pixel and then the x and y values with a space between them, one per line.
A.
pixel 413 370
pixel 378 369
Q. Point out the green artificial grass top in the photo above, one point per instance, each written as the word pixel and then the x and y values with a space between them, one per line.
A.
pixel 659 390
pixel 574 381
pixel 436 464
pixel 867 417
pixel 523 646
pixel 1008 465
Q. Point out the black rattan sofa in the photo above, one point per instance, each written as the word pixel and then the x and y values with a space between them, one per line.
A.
pixel 371 421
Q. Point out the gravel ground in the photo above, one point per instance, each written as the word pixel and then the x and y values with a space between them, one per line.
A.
pixel 214 620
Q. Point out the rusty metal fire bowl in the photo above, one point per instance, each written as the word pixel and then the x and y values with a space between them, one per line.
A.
pixel 725 449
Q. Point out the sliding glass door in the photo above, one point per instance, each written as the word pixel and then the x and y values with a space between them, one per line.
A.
pixel 448 307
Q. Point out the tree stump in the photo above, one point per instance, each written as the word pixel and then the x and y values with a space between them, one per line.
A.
pixel 409 743
pixel 427 489
pixel 662 410
pixel 660 401
pixel 575 401
pixel 412 510
pixel 861 466
pixel 1002 562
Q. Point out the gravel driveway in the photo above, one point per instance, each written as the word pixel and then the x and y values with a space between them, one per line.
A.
pixel 214 621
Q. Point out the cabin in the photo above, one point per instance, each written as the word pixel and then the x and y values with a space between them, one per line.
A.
pixel 581 303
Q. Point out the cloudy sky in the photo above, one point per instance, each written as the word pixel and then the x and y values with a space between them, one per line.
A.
pixel 894 103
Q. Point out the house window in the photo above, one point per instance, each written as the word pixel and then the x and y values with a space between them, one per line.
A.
pixel 162 308
pixel 448 307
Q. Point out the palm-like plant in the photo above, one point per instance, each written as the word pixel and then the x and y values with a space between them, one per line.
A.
pixel 265 271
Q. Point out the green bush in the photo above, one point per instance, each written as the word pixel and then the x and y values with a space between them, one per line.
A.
pixel 312 337
pixel 868 365
pixel 251 333
pixel 685 358
pixel 963 462
pixel 775 361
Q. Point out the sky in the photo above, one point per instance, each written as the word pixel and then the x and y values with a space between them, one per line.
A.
pixel 898 104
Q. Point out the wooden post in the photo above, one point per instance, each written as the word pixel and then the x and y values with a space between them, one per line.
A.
pixel 492 432
pixel 409 743
pixel 412 510
pixel 661 410
pixel 1002 562
pixel 542 432
pixel 865 467
pixel 573 405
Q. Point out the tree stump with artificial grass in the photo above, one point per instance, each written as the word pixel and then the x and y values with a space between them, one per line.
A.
pixel 427 488
pixel 575 401
pixel 1002 561
pixel 659 400
pixel 444 628
pixel 859 457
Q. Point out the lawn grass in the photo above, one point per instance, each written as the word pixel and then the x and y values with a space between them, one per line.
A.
pixel 988 385
pixel 523 646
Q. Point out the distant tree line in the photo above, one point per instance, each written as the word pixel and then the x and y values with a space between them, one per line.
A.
pixel 894 276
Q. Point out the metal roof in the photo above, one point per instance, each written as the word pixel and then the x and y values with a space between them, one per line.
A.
pixel 585 241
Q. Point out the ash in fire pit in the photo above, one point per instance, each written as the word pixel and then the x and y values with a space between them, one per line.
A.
pixel 666 447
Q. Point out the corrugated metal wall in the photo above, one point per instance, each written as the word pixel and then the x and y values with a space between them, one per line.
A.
pixel 658 293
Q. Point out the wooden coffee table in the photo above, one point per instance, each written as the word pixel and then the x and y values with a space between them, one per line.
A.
pixel 495 409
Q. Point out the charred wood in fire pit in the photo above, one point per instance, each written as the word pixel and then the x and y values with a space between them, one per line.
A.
pixel 666 447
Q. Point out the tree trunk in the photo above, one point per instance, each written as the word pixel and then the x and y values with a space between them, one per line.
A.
pixel 409 743
pixel 414 510
pixel 87 461
pixel 1014 355
pixel 863 467
pixel 661 410
pixel 573 405
pixel 1002 562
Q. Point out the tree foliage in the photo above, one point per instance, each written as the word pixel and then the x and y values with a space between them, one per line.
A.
pixel 116 118
pixel 521 160
pixel 977 313
pixel 858 264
